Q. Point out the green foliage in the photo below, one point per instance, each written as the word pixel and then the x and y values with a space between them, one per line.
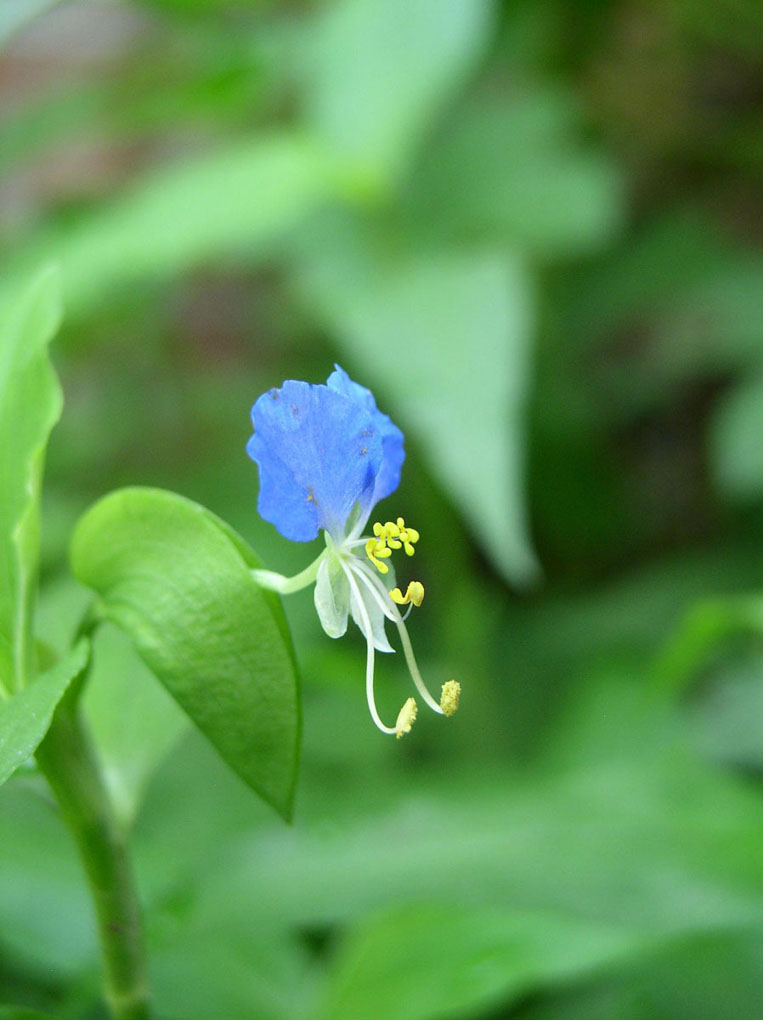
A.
pixel 529 228
pixel 235 203
pixel 20 1013
pixel 736 447
pixel 25 717
pixel 30 403
pixel 516 173
pixel 465 960
pixel 134 721
pixel 179 582
pixel 404 58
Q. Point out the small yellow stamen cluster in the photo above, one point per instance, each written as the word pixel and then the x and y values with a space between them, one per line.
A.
pixel 406 718
pixel 414 593
pixel 390 536
pixel 396 535
pixel 377 552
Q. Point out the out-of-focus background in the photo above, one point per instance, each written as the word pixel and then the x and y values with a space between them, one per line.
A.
pixel 530 228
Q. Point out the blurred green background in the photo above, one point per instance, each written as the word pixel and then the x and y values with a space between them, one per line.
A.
pixel 530 228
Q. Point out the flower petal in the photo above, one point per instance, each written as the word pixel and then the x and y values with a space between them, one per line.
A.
pixel 393 453
pixel 332 597
pixel 319 453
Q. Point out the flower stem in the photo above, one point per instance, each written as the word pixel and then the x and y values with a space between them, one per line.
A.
pixel 288 585
pixel 69 764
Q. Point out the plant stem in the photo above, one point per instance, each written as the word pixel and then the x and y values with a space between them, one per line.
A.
pixel 67 760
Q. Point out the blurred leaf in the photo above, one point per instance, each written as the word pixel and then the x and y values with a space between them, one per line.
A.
pixel 437 962
pixel 14 14
pixel 178 581
pixel 133 720
pixel 203 965
pixel 675 253
pixel 22 1013
pixel 732 23
pixel 30 404
pixel 705 628
pixel 710 975
pixel 42 887
pixel 381 71
pixel 648 841
pixel 25 717
pixel 512 169
pixel 237 201
pixel 448 337
pixel 737 440
pixel 725 720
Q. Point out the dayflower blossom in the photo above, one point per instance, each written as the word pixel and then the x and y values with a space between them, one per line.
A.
pixel 326 456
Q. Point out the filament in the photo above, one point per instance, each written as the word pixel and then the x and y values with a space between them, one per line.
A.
pixel 370 653
pixel 393 613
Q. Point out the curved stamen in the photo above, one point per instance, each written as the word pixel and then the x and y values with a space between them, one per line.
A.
pixel 393 613
pixel 370 652
pixel 377 594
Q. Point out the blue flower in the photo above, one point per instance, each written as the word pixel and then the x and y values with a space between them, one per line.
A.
pixel 323 452
pixel 326 455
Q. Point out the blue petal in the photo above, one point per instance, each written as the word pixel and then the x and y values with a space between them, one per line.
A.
pixel 393 453
pixel 319 453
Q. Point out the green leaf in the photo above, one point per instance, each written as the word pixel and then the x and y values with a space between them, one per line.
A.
pixel 178 581
pixel 381 72
pixel 133 719
pixel 736 447
pixel 705 628
pixel 465 960
pixel 448 337
pixel 22 1013
pixel 516 171
pixel 598 836
pixel 234 202
pixel 25 717
pixel 30 405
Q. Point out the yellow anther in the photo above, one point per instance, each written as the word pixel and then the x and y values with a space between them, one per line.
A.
pixel 406 718
pixel 409 550
pixel 391 535
pixel 408 536
pixel 377 552
pixel 414 593
pixel 451 692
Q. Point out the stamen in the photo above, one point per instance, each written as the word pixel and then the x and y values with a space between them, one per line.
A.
pixel 369 653
pixel 393 613
pixel 414 594
pixel 391 535
pixel 377 552
pixel 413 536
pixel 408 536
pixel 406 718
pixel 451 692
